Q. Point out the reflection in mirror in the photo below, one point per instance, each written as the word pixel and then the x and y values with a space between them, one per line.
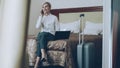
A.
pixel 66 50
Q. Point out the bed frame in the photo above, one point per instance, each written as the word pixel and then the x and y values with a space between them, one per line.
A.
pixel 81 9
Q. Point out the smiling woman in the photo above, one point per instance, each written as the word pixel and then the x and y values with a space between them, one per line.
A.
pixel 46 8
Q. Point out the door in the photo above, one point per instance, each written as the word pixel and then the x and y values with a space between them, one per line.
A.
pixel 116 33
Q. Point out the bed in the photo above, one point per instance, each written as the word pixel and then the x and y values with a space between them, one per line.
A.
pixel 64 52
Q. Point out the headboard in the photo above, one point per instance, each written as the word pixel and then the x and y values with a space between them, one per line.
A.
pixel 72 13
pixel 81 9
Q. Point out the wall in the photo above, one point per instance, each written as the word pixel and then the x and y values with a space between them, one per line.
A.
pixel 56 4
pixel 107 35
pixel 35 8
pixel 96 17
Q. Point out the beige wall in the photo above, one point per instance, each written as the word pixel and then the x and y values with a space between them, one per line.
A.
pixel 96 17
pixel 35 8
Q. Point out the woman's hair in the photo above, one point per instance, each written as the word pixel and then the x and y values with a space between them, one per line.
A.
pixel 48 4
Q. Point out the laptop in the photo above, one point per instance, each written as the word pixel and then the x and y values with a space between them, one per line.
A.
pixel 62 35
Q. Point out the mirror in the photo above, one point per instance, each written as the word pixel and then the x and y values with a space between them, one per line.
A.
pixel 68 15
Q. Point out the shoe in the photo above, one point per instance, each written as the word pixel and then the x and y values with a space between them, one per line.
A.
pixel 45 63
pixel 43 60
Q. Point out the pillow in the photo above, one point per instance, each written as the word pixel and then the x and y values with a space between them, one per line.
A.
pixel 93 28
pixel 71 26
pixel 57 45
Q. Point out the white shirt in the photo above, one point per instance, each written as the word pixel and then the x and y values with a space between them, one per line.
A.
pixel 48 23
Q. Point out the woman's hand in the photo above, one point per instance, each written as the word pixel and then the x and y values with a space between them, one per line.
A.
pixel 42 13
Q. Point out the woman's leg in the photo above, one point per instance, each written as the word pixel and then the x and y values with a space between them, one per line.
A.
pixel 46 37
pixel 42 41
pixel 44 55
pixel 38 51
pixel 37 62
pixel 43 45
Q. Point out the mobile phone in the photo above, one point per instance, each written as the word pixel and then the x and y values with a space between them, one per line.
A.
pixel 42 12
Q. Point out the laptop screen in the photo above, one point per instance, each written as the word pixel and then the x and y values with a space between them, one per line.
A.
pixel 62 35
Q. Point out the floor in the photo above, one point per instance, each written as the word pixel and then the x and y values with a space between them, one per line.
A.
pixel 48 67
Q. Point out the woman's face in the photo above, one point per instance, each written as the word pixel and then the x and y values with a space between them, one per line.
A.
pixel 46 8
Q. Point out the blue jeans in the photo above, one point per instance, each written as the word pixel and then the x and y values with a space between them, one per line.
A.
pixel 42 40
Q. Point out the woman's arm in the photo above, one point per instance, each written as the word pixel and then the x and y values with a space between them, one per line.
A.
pixel 57 25
pixel 38 23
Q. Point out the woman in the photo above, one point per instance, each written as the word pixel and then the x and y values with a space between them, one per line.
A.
pixel 49 24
